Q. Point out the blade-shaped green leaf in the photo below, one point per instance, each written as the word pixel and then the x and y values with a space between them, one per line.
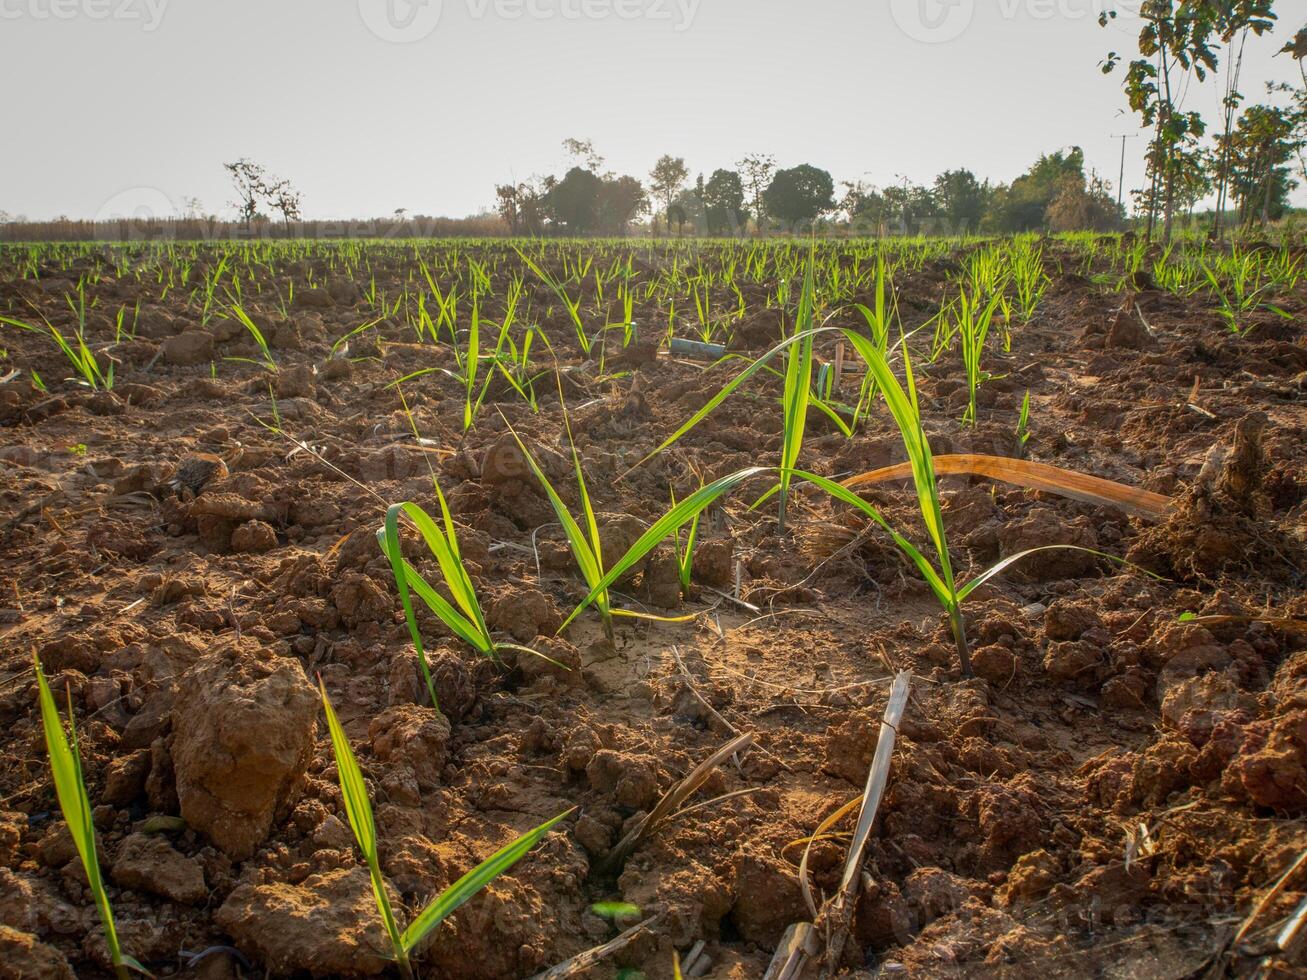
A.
pixel 676 517
pixel 1010 560
pixel 70 788
pixel 472 882
pixel 358 808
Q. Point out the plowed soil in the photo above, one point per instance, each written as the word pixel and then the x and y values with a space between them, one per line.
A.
pixel 1110 796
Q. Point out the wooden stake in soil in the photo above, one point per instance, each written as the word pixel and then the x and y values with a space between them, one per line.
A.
pixel 798 945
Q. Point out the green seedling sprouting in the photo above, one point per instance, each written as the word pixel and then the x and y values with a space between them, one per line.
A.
pixel 70 787
pixel 585 545
pixel 464 616
pixel 358 808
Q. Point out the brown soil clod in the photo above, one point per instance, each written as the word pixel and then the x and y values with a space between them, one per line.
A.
pixel 1222 522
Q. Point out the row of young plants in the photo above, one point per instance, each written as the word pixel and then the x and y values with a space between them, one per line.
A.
pixel 695 290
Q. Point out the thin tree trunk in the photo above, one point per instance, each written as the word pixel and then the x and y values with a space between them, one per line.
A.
pixel 1169 199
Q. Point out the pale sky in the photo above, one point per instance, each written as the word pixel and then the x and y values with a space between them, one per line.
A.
pixel 368 107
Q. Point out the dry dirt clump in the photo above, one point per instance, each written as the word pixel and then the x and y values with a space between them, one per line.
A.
pixel 243 732
pixel 23 956
pixel 1220 523
pixel 327 924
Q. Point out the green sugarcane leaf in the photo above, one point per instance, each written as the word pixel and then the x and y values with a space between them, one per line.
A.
pixel 354 791
pixel 70 789
pixel 1010 560
pixel 472 882
pixel 665 526
pixel 358 808
pixel 942 592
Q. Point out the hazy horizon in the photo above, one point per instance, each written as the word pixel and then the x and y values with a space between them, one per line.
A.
pixel 367 108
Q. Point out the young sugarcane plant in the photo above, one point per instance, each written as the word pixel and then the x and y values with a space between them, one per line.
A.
pixel 973 324
pixel 1023 426
pixel 1029 280
pixel 681 514
pixel 358 808
pixel 685 552
pixel 878 317
pixel 468 362
pixel 572 306
pixel 798 388
pixel 903 407
pixel 585 545
pixel 81 357
pixel 70 787
pixel 464 617
pixel 797 394
pixel 252 328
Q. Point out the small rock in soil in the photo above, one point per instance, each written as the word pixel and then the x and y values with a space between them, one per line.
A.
pixel 414 738
pixel 253 537
pixel 24 957
pixel 768 898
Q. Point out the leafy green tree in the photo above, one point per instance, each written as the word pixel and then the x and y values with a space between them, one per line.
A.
pixel 686 208
pixel 756 172
pixel 910 209
pixel 522 206
pixel 1083 205
pixel 582 203
pixel 666 180
pixel 1232 21
pixel 621 201
pixel 1176 42
pixel 723 202
pixel 864 207
pixel 1297 49
pixel 800 195
pixel 573 202
pixel 1264 145
pixel 1023 206
pixel 961 199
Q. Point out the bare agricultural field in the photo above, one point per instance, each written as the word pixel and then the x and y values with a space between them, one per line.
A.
pixel 1100 767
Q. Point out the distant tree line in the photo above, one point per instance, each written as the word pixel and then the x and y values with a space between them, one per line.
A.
pixel 1056 194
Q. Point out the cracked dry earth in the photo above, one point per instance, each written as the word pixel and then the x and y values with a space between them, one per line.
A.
pixel 1110 796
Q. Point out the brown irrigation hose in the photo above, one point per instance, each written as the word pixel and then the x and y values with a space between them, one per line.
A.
pixel 1033 476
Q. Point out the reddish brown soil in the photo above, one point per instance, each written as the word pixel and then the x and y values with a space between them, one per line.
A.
pixel 1109 797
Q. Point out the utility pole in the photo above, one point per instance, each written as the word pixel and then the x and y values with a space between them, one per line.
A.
pixel 1120 184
